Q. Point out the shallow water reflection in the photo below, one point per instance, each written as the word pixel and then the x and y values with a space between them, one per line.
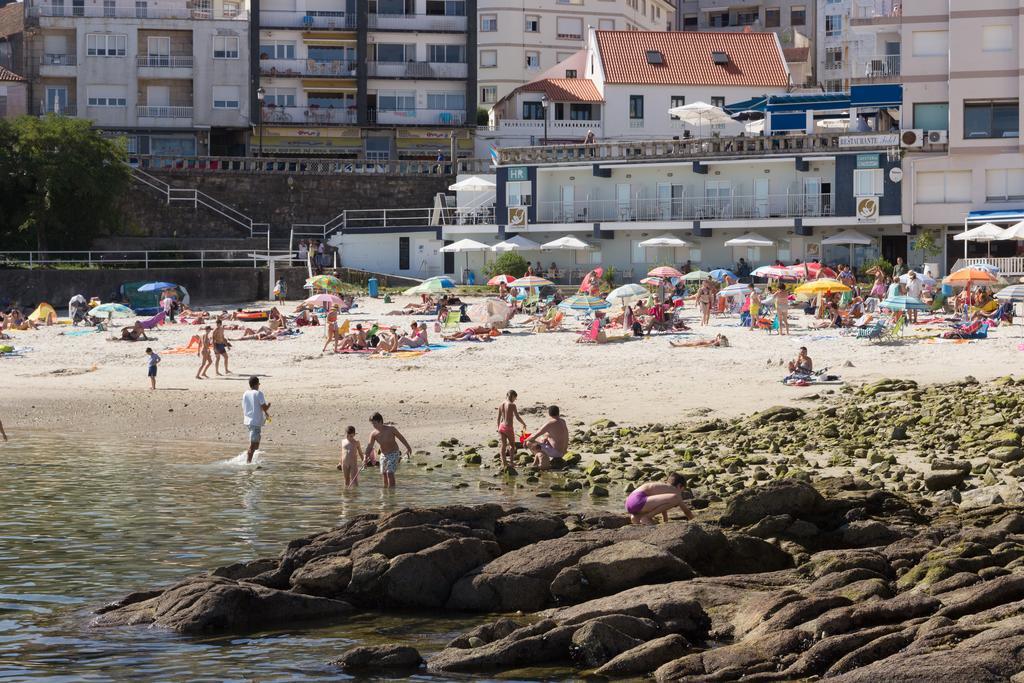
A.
pixel 82 522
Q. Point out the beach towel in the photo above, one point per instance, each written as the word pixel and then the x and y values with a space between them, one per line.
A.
pixel 81 333
pixel 150 323
pixel 400 354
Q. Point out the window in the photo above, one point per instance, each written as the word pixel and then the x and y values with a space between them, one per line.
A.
pixel 109 8
pixel 396 52
pixel 689 22
pixel 397 101
pixel 944 188
pixel 798 15
pixel 533 111
pixel 488 59
pixel 532 23
pixel 225 97
pixel 772 17
pixel 488 94
pixel 518 193
pixel 718 19
pixel 106 96
pixel 532 59
pixel 833 85
pixel 833 58
pixel 570 28
pixel 446 8
pixel 636 107
pixel 158 51
pixel 720 58
pixel 867 181
pixel 606 24
pixel 106 45
pixel 717 101
pixel 277 50
pixel 676 101
pixel 570 2
pixel 833 25
pixel 747 18
pixel 447 100
pixel 930 43
pixel 655 57
pixel 230 10
pixel 570 73
pixel 280 97
pixel 225 47
pixel 998 38
pixel 403 253
pixel 931 116
pixel 488 23
pixel 1004 184
pixel 991 119
pixel 446 54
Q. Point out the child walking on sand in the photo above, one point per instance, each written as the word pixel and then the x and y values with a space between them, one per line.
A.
pixel 351 454
pixel 507 412
pixel 154 360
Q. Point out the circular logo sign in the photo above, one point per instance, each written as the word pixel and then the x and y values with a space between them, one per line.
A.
pixel 895 174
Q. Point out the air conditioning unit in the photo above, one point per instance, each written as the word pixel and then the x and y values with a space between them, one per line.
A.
pixel 912 138
pixel 937 137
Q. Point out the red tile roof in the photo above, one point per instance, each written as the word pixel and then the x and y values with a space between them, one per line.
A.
pixel 12 19
pixel 7 75
pixel 796 54
pixel 754 58
pixel 565 89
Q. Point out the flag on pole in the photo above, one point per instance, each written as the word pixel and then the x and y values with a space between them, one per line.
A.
pixel 494 155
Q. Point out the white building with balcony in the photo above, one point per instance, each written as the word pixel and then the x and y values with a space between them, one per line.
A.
pixel 170 75
pixel 627 82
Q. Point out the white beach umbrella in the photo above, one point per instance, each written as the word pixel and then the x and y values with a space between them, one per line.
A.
pixel 567 243
pixel 699 113
pixel 987 232
pixel 620 295
pixel 751 239
pixel 517 243
pixel 473 184
pixel 924 279
pixel 848 238
pixel 665 240
pixel 1014 232
pixel 464 246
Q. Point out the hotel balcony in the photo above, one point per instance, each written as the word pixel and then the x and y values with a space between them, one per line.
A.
pixel 869 12
pixel 736 207
pixel 311 115
pixel 877 68
pixel 296 68
pixel 419 70
pixel 170 116
pixel 417 117
pixel 307 20
pixel 164 66
pixel 58 65
pixel 417 22
pixel 137 10
pixel 61 109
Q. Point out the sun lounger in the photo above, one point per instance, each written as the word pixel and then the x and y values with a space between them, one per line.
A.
pixel 451 323
pixel 873 331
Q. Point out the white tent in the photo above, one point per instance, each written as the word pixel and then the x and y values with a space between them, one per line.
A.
pixel 473 184
pixel 987 232
pixel 568 243
pixel 699 113
pixel 1014 232
pixel 665 240
pixel 516 243
pixel 464 246
pixel 849 238
pixel 751 239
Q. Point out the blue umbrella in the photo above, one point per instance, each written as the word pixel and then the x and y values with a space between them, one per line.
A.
pixel 157 286
pixel 446 282
pixel 721 273
pixel 584 302
pixel 903 303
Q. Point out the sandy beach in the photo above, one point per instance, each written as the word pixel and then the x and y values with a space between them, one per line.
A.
pixel 86 384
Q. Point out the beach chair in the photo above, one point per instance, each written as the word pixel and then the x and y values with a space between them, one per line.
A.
pixel 895 331
pixel 589 335
pixel 874 330
pixel 451 323
pixel 549 323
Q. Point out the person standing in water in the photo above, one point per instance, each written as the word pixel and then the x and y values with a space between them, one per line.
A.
pixel 256 412
pixel 385 437
pixel 351 454
pixel 2 432
pixel 507 412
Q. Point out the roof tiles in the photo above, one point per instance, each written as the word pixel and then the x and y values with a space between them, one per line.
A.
pixel 566 89
pixel 6 75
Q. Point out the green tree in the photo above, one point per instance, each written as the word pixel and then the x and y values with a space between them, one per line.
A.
pixel 509 263
pixel 69 180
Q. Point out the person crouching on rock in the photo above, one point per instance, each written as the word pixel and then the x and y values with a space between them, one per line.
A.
pixel 656 498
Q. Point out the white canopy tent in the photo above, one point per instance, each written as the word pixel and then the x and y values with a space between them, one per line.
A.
pixel 665 240
pixel 699 113
pixel 465 246
pixel 567 243
pixel 751 239
pixel 473 184
pixel 850 238
pixel 987 232
pixel 516 243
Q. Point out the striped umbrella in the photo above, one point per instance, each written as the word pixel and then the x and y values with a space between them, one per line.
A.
pixel 824 286
pixel 325 282
pixel 735 290
pixel 776 273
pixel 326 299
pixel 653 281
pixel 584 302
pixel 1012 293
pixel 498 279
pixel 530 281
pixel 904 303
pixel 665 271
pixel 696 276
pixel 721 273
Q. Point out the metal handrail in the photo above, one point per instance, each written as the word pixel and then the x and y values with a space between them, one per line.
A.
pixel 133 258
pixel 292 166
pixel 735 206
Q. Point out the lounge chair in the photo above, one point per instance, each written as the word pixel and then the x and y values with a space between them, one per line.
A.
pixel 873 331
pixel 451 323
pixel 590 335
pixel 549 323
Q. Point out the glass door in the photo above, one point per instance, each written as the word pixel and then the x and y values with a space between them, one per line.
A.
pixel 622 201
pixel 812 196
pixel 56 99
pixel 761 198
pixel 664 201
pixel 568 203
pixel 158 51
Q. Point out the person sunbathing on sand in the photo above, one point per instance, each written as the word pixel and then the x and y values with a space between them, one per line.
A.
pixel 718 341
pixel 802 364
pixel 134 333
pixel 483 333
pixel 355 340
pixel 388 342
pixel 654 498
pixel 417 337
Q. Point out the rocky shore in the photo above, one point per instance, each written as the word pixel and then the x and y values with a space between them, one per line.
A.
pixel 848 543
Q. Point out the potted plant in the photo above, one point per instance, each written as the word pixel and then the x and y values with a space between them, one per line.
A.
pixel 927 242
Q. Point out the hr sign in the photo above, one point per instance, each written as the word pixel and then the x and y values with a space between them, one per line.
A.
pixel 518 173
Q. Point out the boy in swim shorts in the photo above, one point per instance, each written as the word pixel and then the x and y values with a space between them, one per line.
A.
pixel 385 438
pixel 507 412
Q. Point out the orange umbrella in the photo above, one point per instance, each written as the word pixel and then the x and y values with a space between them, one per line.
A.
pixel 966 276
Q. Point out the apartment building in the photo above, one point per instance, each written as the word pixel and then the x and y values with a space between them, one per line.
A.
pixel 961 81
pixel 858 42
pixel 383 79
pixel 793 21
pixel 626 82
pixel 518 43
pixel 170 75
pixel 13 94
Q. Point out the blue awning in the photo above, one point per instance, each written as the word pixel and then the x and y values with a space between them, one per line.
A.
pixel 881 95
pixel 791 103
pixel 1001 216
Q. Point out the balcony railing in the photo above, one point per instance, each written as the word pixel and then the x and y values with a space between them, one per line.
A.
pixel 51 59
pixel 426 70
pixel 164 61
pixel 138 10
pixel 562 127
pixel 293 166
pixel 878 66
pixel 335 68
pixel 323 20
pixel 744 207
pixel 696 148
pixel 417 22
pixel 418 117
pixel 60 110
pixel 176 112
pixel 877 9
pixel 321 116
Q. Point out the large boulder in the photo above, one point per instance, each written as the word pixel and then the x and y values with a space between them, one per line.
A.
pixel 646 657
pixel 394 542
pixel 380 657
pixel 523 528
pixel 217 604
pixel 630 563
pixel 541 643
pixel 782 497
pixel 327 576
pixel 425 578
pixel 596 642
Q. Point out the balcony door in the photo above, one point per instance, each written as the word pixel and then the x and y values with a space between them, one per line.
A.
pixel 568 203
pixel 812 196
pixel 56 98
pixel 622 206
pixel 158 96
pixel 717 198
pixel 158 51
pixel 761 201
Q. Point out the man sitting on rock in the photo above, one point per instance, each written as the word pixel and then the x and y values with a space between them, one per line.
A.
pixel 656 498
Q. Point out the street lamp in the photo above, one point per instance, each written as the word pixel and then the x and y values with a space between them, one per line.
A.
pixel 260 94
pixel 544 106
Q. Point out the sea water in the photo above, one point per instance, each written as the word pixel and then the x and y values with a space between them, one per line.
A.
pixel 85 521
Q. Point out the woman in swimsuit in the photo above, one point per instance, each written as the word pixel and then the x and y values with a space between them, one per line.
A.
pixel 705 296
pixel 719 340
pixel 205 354
pixel 782 308
pixel 507 412
pixel 654 498
pixel 417 337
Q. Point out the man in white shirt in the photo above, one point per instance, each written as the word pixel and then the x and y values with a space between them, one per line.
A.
pixel 914 289
pixel 256 412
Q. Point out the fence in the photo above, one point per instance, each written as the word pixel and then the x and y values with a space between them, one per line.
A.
pixel 136 259
pixel 309 166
